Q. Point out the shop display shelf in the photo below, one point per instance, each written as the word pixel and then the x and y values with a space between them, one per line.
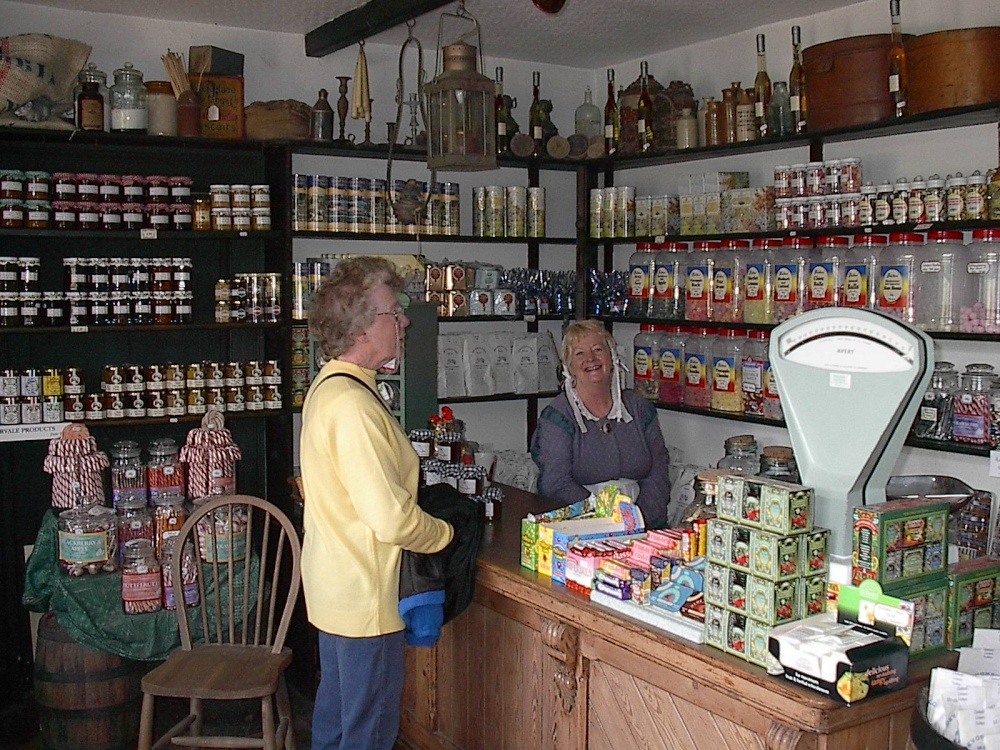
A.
pixel 496 397
pixel 146 143
pixel 178 328
pixel 430 238
pixel 947 446
pixel 500 318
pixel 136 234
pixel 719 414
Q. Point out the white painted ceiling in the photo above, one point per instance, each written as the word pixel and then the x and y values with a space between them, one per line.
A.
pixel 584 34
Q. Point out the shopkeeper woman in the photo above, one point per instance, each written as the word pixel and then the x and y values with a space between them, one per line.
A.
pixel 595 431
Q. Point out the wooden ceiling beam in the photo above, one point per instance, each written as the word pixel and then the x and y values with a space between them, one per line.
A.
pixel 371 18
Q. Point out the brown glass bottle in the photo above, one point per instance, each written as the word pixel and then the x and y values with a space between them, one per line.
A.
pixel 536 116
pixel 797 85
pixel 611 123
pixel 501 114
pixel 762 90
pixel 90 107
pixel 899 79
pixel 644 109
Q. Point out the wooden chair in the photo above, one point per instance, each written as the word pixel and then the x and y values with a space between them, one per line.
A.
pixel 240 625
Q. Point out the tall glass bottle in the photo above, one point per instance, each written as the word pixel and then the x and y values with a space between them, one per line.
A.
pixel 501 114
pixel 899 77
pixel 536 117
pixel 611 132
pixel 797 85
pixel 644 109
pixel 762 91
pixel 587 118
pixel 779 114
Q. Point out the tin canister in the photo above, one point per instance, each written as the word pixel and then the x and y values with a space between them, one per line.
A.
pixel 10 410
pixel 495 216
pixel 379 204
pixel 624 211
pixel 450 208
pixel 596 213
pixel 10 383
pixel 73 407
pixel 338 211
pixel 300 202
pixel 517 206
pixel 316 192
pixel 478 211
pixel 536 212
pixel 609 212
pixel 361 198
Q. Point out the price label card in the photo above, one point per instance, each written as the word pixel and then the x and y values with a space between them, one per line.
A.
pixel 147 233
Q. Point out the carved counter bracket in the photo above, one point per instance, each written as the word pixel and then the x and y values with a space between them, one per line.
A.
pixel 783 737
pixel 562 643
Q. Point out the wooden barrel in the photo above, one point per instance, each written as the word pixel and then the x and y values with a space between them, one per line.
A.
pixel 958 68
pixel 87 699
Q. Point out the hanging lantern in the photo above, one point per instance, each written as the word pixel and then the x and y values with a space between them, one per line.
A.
pixel 461 132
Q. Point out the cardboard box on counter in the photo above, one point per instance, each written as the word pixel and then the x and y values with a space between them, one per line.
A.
pixel 222 113
pixel 209 60
pixel 692 214
pixel 747 210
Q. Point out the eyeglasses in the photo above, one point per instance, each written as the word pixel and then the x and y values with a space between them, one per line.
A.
pixel 394 313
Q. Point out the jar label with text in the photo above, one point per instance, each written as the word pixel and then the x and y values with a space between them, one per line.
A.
pixel 644 363
pixel 722 375
pixel 670 371
pixel 820 286
pixel 894 286
pixel 786 283
pixel 722 285
pixel 696 282
pixel 694 371
pixel 753 287
pixel 83 548
pixel 855 286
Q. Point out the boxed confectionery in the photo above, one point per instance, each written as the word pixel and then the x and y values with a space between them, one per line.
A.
pixel 531 524
pixel 973 599
pixel 555 538
pixel 930 614
pixel 900 541
pixel 747 210
pixel 861 652
pixel 770 504
pixel 665 215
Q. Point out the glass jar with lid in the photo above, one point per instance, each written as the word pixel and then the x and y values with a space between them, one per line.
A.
pixel 772 398
pixel 162 106
pixel 668 280
pixel 128 475
pixel 698 368
pixel 934 419
pixel 700 270
pixel 859 272
pixel 980 311
pixel 976 197
pixel 189 574
pixel 87 539
pixel 135 520
pixel 825 271
pixel 671 359
pixel 791 275
pixel 164 472
pixel 645 366
pixel 935 199
pixel 897 275
pixel 972 419
pixel 741 455
pixel 142 585
pixel 940 282
pixel 129 109
pixel 727 277
pixel 727 386
pixel 955 197
pixel 758 281
pixel 91 74
pixel 641 270
pixel 753 364
pixel 778 462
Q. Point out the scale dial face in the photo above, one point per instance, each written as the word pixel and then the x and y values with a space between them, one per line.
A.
pixel 846 344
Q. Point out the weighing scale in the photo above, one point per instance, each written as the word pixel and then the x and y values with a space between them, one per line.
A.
pixel 850 383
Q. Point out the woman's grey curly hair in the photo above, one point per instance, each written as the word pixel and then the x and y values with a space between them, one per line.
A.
pixel 341 307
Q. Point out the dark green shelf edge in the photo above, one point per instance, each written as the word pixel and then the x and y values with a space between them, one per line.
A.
pixel 178 328
pixel 133 234
pixel 427 238
pixel 957 117
pixel 933 445
pixel 941 335
pixel 40 135
pixel 957 226
pixel 186 419
pixel 497 397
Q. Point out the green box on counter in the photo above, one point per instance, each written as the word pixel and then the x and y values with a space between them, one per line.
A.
pixel 716 584
pixel 930 613
pixel 786 508
pixel 715 626
pixel 774 556
pixel 813 552
pixel 730 490
pixel 773 602
pixel 812 595
pixel 758 635
pixel 720 541
pixel 972 599
pixel 900 541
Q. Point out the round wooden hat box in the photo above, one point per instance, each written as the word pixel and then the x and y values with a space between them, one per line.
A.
pixel 959 68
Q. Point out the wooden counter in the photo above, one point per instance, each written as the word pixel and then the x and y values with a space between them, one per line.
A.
pixel 533 666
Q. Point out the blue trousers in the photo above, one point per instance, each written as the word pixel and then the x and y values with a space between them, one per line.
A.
pixel 360 692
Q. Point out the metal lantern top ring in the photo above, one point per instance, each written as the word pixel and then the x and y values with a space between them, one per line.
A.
pixel 460 105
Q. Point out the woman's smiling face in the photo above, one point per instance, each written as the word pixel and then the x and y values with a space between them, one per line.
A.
pixel 591 360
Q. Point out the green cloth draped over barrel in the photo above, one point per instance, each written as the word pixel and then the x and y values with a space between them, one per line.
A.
pixel 90 606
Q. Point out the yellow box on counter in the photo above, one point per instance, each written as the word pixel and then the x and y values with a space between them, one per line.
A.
pixel 222 114
pixel 747 210
pixel 555 537
pixel 531 523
